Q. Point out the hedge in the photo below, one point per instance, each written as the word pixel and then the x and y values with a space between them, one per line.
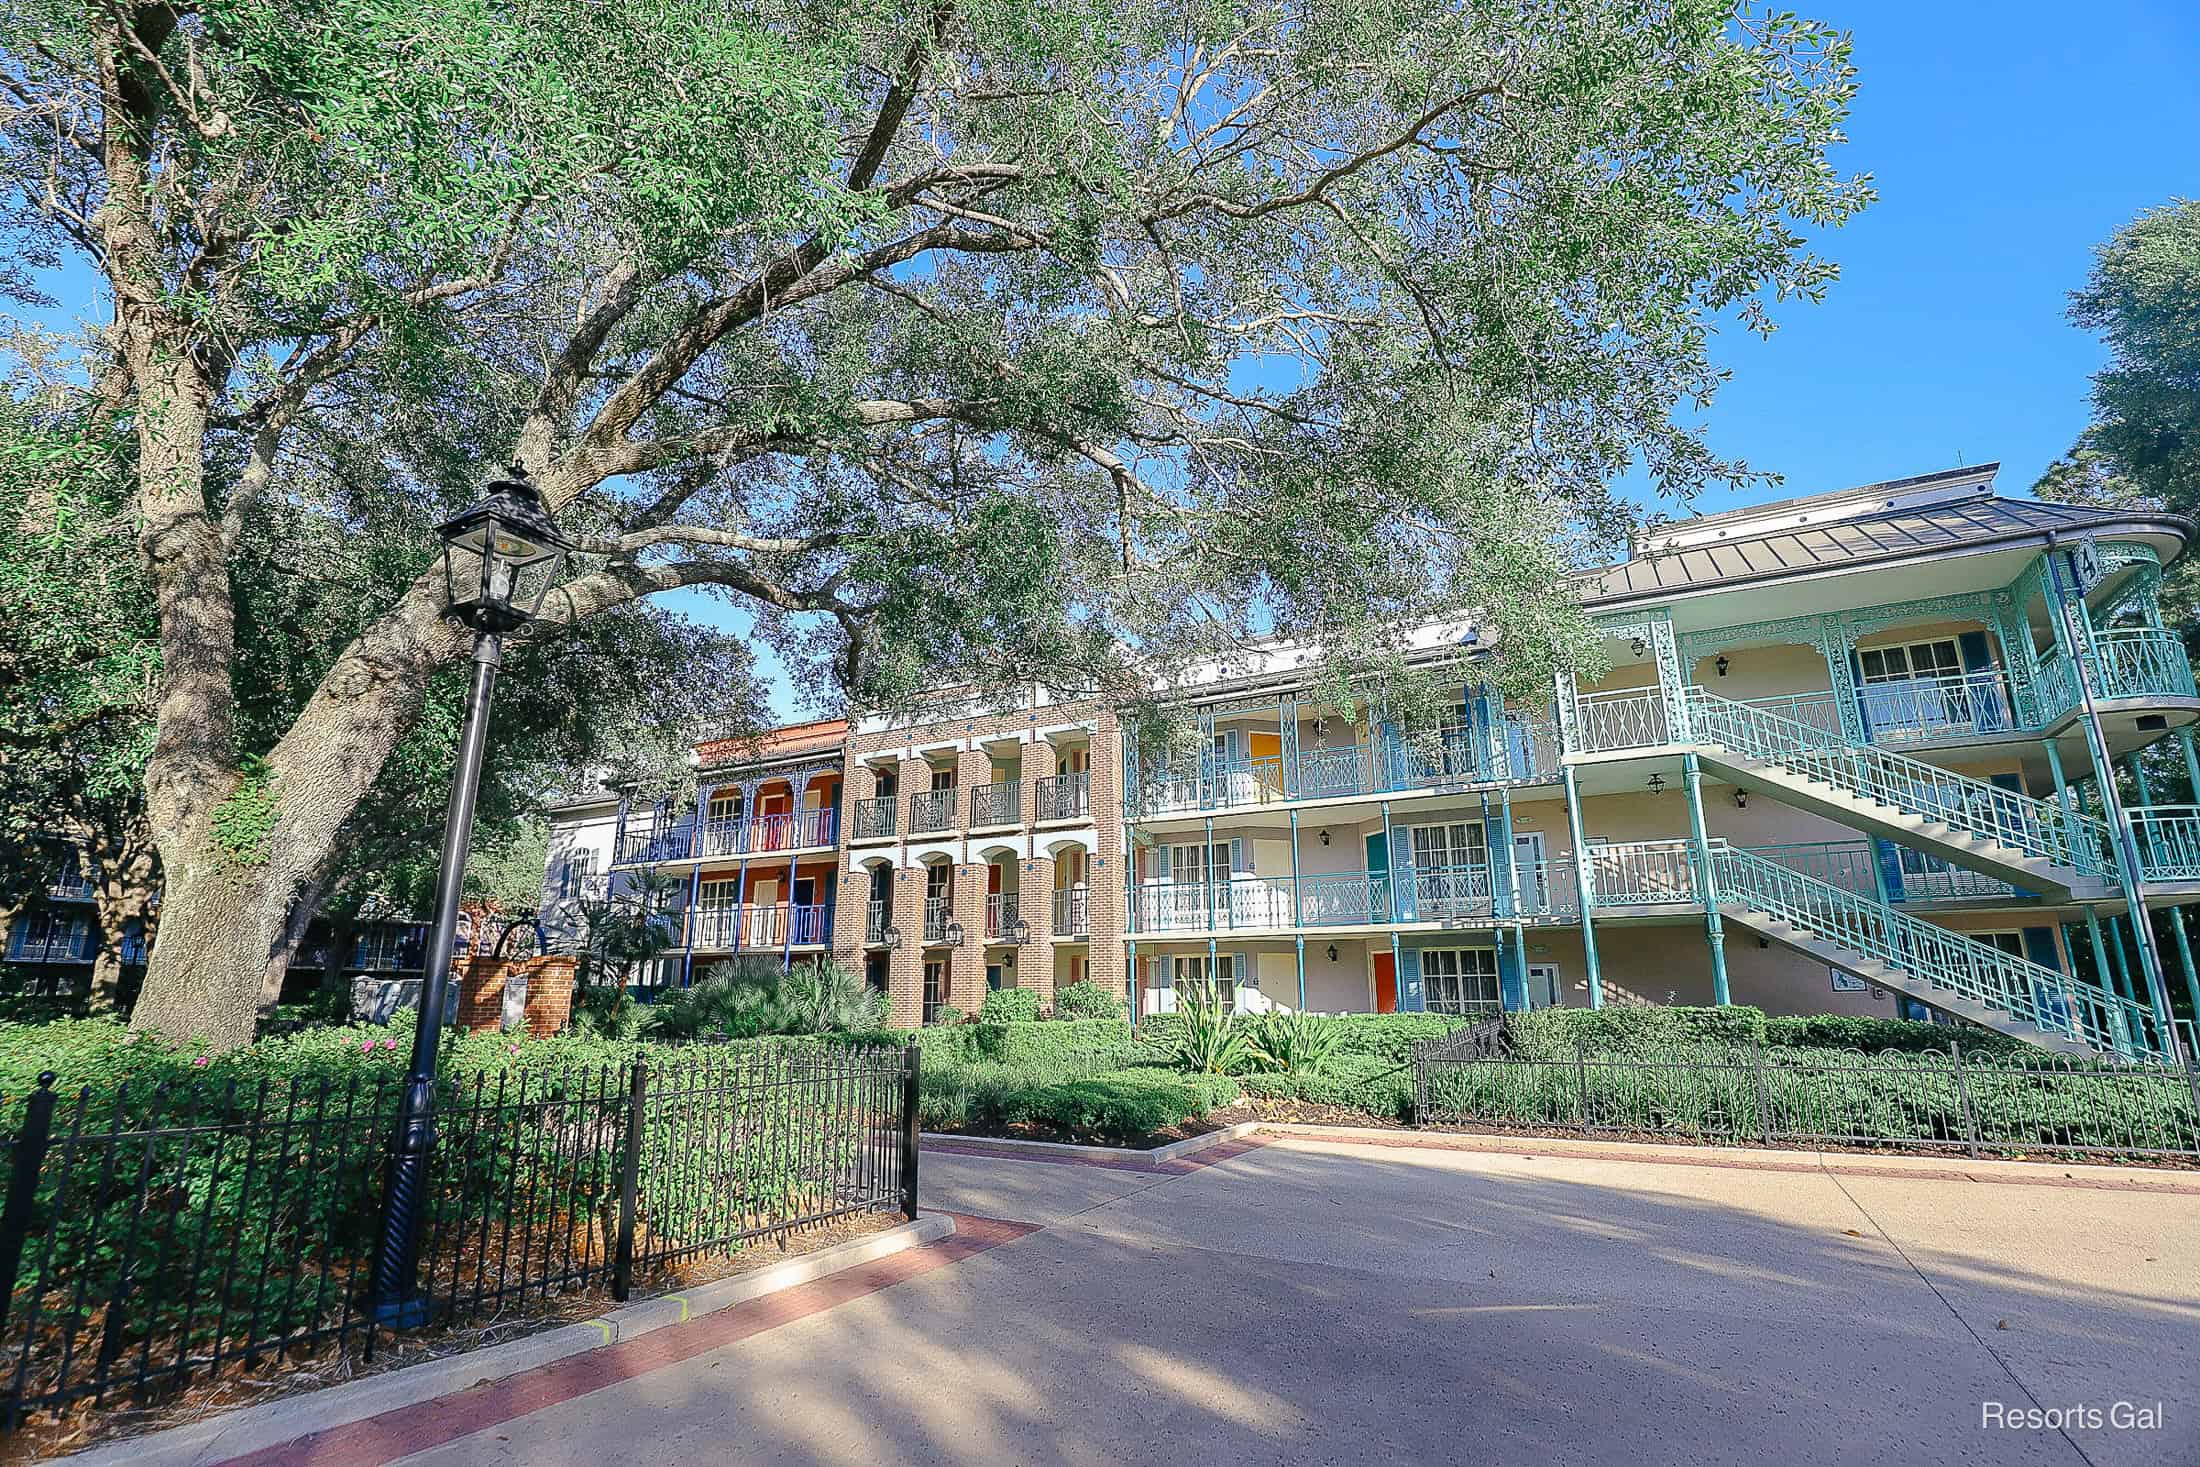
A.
pixel 1386 1037
pixel 1630 1029
pixel 1037 1041
pixel 1354 1082
pixel 1116 1105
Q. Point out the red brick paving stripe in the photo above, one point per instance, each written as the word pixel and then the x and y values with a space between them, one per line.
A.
pixel 445 1419
pixel 1612 1151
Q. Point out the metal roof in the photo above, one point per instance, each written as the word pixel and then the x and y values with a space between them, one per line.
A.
pixel 1971 522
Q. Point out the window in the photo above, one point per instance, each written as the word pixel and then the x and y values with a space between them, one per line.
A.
pixel 1460 980
pixel 935 988
pixel 1193 865
pixel 50 937
pixel 2011 943
pixel 943 779
pixel 388 947
pixel 1443 847
pixel 1222 987
pixel 1916 660
pixel 936 877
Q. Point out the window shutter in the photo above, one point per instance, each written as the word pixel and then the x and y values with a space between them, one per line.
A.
pixel 1165 971
pixel 1161 863
pixel 1237 857
pixel 1243 971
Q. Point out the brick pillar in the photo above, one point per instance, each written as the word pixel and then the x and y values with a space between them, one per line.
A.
pixel 1035 904
pixel 972 768
pixel 1108 881
pixel 481 994
pixel 966 964
pixel 905 967
pixel 1038 765
pixel 549 995
pixel 915 779
pixel 851 899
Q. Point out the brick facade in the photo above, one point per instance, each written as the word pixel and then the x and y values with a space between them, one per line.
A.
pixel 1035 904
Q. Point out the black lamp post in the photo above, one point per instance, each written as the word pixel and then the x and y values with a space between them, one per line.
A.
pixel 500 558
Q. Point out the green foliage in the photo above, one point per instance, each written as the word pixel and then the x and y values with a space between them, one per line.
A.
pixel 1078 1042
pixel 749 996
pixel 948 1015
pixel 244 822
pixel 1350 1082
pixel 1210 1039
pixel 1009 1005
pixel 606 1011
pixel 1876 1036
pixel 1630 1029
pixel 1105 1105
pixel 1295 1043
pixel 1086 999
pixel 2143 297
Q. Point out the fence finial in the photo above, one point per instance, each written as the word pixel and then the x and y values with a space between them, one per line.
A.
pixel 46 1079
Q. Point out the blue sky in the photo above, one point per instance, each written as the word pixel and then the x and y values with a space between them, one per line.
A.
pixel 2006 141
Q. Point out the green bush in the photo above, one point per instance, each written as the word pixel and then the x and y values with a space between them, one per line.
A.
pixel 749 996
pixel 1210 1039
pixel 1009 1006
pixel 1086 999
pixel 1110 1105
pixel 1875 1036
pixel 1033 1042
pixel 1630 1029
pixel 947 1013
pixel 1295 1043
pixel 1353 1082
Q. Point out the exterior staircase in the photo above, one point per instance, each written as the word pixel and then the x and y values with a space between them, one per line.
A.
pixel 1948 970
pixel 2027 842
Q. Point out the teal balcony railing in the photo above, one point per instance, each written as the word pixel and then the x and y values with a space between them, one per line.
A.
pixel 2168 838
pixel 1979 971
pixel 1520 751
pixel 2131 662
pixel 1913 875
pixel 689 839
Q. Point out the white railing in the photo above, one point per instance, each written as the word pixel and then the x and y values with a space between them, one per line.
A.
pixel 1953 706
pixel 1627 718
pixel 1644 873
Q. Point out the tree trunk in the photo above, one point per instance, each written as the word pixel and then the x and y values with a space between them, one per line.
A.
pixel 225 916
pixel 302 913
pixel 125 884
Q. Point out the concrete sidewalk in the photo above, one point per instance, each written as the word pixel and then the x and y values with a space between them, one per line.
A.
pixel 1316 1301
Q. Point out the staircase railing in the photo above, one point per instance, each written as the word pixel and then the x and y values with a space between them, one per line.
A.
pixel 2037 828
pixel 1979 971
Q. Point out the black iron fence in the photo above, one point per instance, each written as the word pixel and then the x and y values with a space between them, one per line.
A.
pixel 1771 1096
pixel 152 1239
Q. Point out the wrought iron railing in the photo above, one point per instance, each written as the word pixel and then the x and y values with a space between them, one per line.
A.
pixel 731 835
pixel 1352 899
pixel 759 926
pixel 71 885
pixel 1643 873
pixel 1625 718
pixel 1957 705
pixel 1910 875
pixel 2036 828
pixel 1979 971
pixel 1072 914
pixel 209 1233
pixel 874 922
pixel 1063 796
pixel 1326 773
pixel 2168 838
pixel 938 912
pixel 873 819
pixel 998 803
pixel 997 909
pixel 932 810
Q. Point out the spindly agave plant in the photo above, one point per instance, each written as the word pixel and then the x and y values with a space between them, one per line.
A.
pixel 1295 1043
pixel 1210 1040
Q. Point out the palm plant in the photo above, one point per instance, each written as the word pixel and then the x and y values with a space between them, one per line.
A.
pixel 1295 1043
pixel 1210 1039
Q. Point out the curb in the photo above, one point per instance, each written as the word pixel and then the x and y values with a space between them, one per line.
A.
pixel 230 1434
pixel 949 1142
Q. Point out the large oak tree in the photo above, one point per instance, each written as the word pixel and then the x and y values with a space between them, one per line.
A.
pixel 1001 340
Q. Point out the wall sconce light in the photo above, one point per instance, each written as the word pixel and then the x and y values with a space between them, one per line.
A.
pixel 1657 784
pixel 1639 646
pixel 1332 952
pixel 1764 941
pixel 1721 664
pixel 1325 837
pixel 1741 799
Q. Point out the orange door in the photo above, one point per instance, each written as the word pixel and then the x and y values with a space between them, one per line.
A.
pixel 1386 984
pixel 1267 755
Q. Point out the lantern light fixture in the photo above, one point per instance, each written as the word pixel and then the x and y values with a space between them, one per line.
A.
pixel 501 556
pixel 1721 664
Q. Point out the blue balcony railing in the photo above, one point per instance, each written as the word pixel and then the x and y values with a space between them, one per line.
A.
pixel 759 926
pixel 788 830
pixel 1521 751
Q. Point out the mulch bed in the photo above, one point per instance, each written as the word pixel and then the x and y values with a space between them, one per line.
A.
pixel 87 1424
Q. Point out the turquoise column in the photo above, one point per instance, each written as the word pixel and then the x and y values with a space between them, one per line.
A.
pixel 2101 967
pixel 2116 953
pixel 2192 763
pixel 695 892
pixel 1714 929
pixel 1298 909
pixel 2176 914
pixel 1584 889
pixel 1207 875
pixel 1130 981
pixel 1302 972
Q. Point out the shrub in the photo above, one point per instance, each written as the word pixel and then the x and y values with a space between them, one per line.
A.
pixel 1630 1029
pixel 1033 1042
pixel 1877 1036
pixel 1391 1037
pixel 1117 1105
pixel 751 996
pixel 1352 1082
pixel 606 1011
pixel 1086 999
pixel 1294 1043
pixel 947 1013
pixel 1210 1039
pixel 1008 1006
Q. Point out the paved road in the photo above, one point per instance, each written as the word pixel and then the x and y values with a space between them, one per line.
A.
pixel 1309 1302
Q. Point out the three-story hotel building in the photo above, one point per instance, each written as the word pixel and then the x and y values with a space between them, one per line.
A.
pixel 1874 751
